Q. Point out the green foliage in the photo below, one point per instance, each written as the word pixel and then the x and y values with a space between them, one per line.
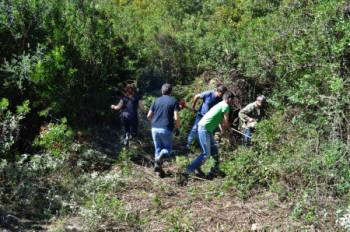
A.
pixel 180 221
pixel 147 101
pixel 305 208
pixel 56 138
pixel 24 193
pixel 186 121
pixel 269 132
pixel 181 163
pixel 124 159
pixel 93 46
pixel 10 125
pixel 19 69
pixel 208 165
pixel 43 185
pixel 291 169
pixel 240 171
pixel 23 109
pixel 102 208
pixel 4 104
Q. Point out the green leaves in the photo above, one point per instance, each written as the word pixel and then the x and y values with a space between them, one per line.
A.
pixel 10 124
pixel 336 85
pixel 24 108
pixel 49 67
pixel 4 103
pixel 55 138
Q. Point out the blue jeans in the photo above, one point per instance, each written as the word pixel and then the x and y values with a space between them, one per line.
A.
pixel 247 135
pixel 194 130
pixel 163 142
pixel 208 146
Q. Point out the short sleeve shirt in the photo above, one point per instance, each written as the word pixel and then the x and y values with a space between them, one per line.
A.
pixel 209 100
pixel 211 120
pixel 163 112
pixel 130 106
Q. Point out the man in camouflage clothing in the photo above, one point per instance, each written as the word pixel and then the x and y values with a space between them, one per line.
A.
pixel 250 115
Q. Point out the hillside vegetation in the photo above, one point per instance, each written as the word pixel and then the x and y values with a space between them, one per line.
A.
pixel 63 63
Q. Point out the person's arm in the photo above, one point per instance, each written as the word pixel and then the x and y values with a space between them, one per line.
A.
pixel 226 122
pixel 195 99
pixel 177 119
pixel 150 115
pixel 150 112
pixel 117 107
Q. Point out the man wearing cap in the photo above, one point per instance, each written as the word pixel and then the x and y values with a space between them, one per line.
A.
pixel 250 115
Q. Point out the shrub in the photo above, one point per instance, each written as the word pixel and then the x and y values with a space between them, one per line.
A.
pixel 241 170
pixel 26 188
pixel 147 101
pixel 10 125
pixel 181 163
pixel 293 161
pixel 103 211
pixel 55 138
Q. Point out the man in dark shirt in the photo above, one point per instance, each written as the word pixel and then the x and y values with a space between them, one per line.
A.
pixel 164 118
pixel 129 106
pixel 210 98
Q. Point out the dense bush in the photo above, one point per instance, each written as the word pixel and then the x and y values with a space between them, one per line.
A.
pixel 293 161
pixel 295 51
pixel 55 138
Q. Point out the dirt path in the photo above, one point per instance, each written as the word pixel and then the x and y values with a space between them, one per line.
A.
pixel 202 205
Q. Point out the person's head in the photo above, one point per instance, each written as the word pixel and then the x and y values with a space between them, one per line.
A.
pixel 166 89
pixel 129 89
pixel 229 97
pixel 220 90
pixel 261 101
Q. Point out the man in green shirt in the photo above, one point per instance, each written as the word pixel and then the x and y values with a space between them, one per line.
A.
pixel 218 114
pixel 250 115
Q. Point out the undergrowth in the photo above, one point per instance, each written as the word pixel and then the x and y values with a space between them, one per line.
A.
pixel 294 162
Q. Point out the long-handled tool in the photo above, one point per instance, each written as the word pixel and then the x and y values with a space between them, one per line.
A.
pixel 233 129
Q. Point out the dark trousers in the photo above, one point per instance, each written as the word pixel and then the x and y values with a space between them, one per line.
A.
pixel 130 125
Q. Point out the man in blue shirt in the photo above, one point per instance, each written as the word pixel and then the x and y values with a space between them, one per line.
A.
pixel 210 98
pixel 164 118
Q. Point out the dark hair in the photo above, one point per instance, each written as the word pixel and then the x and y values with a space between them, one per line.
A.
pixel 166 89
pixel 221 88
pixel 228 95
pixel 129 87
